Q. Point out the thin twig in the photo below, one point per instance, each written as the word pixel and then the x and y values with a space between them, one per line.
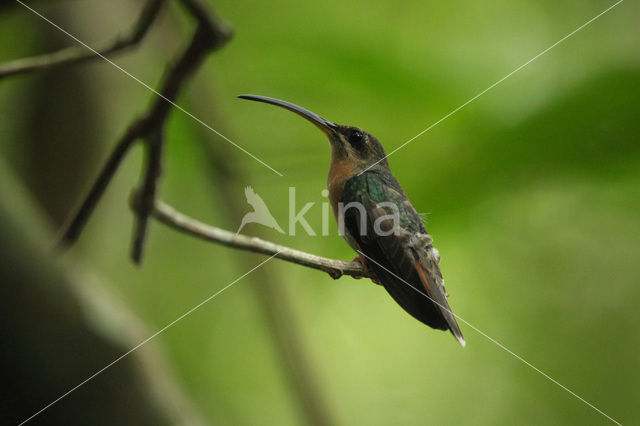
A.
pixel 149 190
pixel 79 54
pixel 180 222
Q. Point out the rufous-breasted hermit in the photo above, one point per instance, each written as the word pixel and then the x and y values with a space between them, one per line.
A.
pixel 386 230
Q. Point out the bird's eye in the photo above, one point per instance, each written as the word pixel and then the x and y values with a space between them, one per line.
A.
pixel 356 138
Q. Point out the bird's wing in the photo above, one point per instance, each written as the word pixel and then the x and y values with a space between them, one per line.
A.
pixel 402 260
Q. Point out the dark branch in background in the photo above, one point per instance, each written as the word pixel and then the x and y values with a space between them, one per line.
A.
pixel 79 54
pixel 210 34
pixel 277 305
pixel 180 222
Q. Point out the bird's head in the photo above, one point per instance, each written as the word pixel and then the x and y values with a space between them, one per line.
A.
pixel 348 143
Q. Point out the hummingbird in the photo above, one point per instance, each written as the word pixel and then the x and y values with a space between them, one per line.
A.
pixel 380 223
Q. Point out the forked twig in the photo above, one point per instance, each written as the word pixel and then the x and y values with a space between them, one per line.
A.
pixel 210 34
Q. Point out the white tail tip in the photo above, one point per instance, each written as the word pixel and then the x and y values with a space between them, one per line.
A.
pixel 462 341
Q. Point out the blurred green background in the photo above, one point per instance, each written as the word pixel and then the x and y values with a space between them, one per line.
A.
pixel 532 193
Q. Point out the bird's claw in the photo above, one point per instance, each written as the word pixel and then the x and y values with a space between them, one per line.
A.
pixel 365 268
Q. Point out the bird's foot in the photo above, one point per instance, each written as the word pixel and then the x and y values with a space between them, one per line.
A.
pixel 365 268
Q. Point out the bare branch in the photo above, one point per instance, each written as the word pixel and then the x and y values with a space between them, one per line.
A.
pixel 80 54
pixel 180 222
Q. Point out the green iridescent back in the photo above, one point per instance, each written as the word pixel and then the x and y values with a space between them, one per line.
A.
pixel 377 186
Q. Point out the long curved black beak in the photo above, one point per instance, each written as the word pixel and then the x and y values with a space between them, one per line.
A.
pixel 325 125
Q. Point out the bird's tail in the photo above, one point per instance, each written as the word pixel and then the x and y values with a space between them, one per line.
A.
pixel 431 279
pixel 417 283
